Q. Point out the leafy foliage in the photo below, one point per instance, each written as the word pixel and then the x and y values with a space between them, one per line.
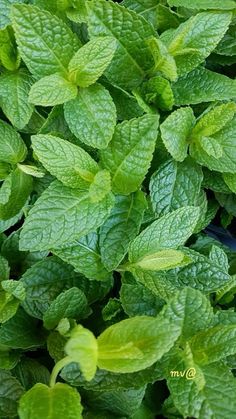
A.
pixel 117 181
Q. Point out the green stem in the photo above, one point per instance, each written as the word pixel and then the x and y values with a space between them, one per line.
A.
pixel 57 368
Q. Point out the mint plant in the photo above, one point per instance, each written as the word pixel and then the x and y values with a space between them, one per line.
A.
pixel 117 206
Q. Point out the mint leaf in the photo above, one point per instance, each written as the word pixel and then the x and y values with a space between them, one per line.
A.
pixel 11 391
pixel 68 162
pixel 203 4
pixel 61 216
pixel 12 147
pixel 45 42
pixel 71 304
pixel 21 187
pixel 90 62
pixel 132 57
pixel 55 402
pixel 230 180
pixel 100 186
pixel 79 114
pixel 52 90
pixel 175 131
pixel 188 43
pixel 202 85
pixel 84 255
pixel 136 343
pixel 129 153
pixel 170 231
pixel 175 185
pixel 120 227
pixel 14 92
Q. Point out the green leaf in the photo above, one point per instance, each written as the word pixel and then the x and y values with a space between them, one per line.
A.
pixel 175 131
pixel 68 162
pixel 50 403
pixel 14 92
pixel 10 393
pixel 15 288
pixel 84 256
pixel 146 8
pixel 5 190
pixel 21 186
pixel 138 300
pixel 5 7
pixel 202 85
pixel 213 344
pixel 136 343
pixel 121 227
pixel 82 348
pixel 21 332
pixel 8 306
pixel 100 186
pixel 175 185
pixel 42 285
pixel 226 139
pixel 204 4
pixel 158 91
pixel 4 269
pixel 191 309
pixel 71 303
pixel 170 231
pixel 45 42
pixel 230 180
pixel 129 154
pixel 12 147
pixel 219 257
pixel 62 215
pixel 52 90
pixel 215 399
pixel 30 372
pixel 211 147
pixel 132 57
pixel 158 261
pixel 90 61
pixel 196 38
pixel 79 115
pixel 164 61
pixel 9 56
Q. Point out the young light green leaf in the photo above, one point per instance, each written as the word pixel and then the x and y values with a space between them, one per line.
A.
pixel 121 227
pixel 57 402
pixel 84 256
pixel 129 154
pixel 170 231
pixel 226 139
pixel 213 121
pixel 21 187
pixel 164 61
pixel 52 90
pixel 175 131
pixel 82 347
pixel 70 304
pixel 159 261
pixel 158 91
pixel 100 186
pixel 202 85
pixel 204 4
pixel 79 114
pixel 8 306
pixel 132 56
pixel 62 215
pixel 90 61
pixel 211 147
pixel 45 42
pixel 136 343
pixel 12 147
pixel 68 162
pixel 14 91
pixel 5 190
pixel 196 38
pixel 175 185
